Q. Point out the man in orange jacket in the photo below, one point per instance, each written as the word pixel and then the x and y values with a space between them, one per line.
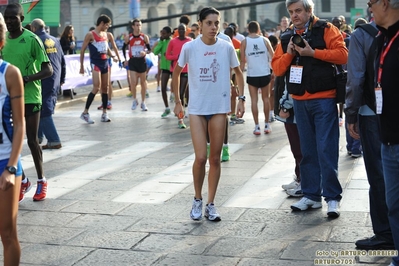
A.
pixel 306 57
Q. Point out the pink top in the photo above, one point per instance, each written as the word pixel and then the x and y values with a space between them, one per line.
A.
pixel 173 52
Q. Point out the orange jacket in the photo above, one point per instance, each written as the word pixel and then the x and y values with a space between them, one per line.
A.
pixel 336 53
pixel 176 32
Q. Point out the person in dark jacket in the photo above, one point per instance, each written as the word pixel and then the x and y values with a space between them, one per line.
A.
pixel 386 16
pixel 50 86
pixel 67 40
pixel 363 124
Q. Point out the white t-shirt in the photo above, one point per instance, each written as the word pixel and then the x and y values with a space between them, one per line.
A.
pixel 208 75
pixel 239 37
pixel 225 37
pixel 257 57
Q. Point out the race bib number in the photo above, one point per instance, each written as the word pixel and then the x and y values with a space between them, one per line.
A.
pixel 136 51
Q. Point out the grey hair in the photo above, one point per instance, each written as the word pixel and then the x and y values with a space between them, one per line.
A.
pixel 38 23
pixel 307 4
pixel 394 4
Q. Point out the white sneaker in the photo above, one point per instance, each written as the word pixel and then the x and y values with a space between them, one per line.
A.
pixel 158 89
pixel 135 104
pixel 196 210
pixel 211 214
pixel 172 97
pixel 305 203
pixel 86 118
pixel 143 107
pixel 268 128
pixel 333 209
pixel 257 130
pixel 295 192
pixel 167 88
pixel 291 185
pixel 105 118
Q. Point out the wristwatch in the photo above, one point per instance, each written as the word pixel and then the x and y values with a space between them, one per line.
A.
pixel 285 110
pixel 11 169
pixel 242 97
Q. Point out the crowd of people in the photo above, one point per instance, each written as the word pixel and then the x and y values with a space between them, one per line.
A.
pixel 294 71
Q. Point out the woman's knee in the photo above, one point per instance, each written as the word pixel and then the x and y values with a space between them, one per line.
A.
pixel 201 160
pixel 214 160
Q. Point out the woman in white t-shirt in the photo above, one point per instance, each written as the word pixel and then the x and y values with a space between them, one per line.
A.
pixel 209 61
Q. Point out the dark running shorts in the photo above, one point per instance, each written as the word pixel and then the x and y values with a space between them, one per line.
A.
pixel 102 68
pixel 32 109
pixel 259 82
pixel 138 64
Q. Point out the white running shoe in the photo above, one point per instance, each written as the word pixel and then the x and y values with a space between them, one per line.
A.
pixel 333 209
pixel 295 192
pixel 305 204
pixel 105 118
pixel 158 89
pixel 211 214
pixel 257 130
pixel 196 210
pixel 86 118
pixel 135 104
pixel 291 185
pixel 143 107
pixel 268 128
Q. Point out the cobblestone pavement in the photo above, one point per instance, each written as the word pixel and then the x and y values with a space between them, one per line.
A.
pixel 120 194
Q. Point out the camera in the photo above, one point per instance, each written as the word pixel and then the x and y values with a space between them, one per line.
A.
pixel 298 40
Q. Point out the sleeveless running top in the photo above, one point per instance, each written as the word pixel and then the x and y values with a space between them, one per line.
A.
pixel 136 45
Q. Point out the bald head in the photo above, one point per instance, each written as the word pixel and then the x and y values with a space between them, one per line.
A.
pixel 38 24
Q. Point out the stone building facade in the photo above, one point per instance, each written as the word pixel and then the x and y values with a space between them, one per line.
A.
pixel 83 13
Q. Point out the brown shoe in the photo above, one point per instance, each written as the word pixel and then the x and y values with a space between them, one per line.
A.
pixel 46 147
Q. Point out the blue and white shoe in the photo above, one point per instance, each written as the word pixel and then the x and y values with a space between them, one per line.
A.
pixel 211 214
pixel 196 210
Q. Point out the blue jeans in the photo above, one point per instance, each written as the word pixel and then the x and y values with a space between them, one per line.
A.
pixel 371 144
pixel 352 145
pixel 318 128
pixel 390 165
pixel 47 128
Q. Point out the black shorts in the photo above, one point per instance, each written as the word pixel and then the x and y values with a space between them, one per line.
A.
pixel 259 82
pixel 164 71
pixel 32 109
pixel 138 64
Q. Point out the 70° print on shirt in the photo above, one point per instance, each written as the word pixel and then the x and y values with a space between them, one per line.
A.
pixel 210 73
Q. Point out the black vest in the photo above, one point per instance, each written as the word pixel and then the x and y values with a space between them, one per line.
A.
pixel 317 75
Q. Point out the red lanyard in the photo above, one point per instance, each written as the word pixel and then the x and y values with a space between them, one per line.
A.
pixel 384 53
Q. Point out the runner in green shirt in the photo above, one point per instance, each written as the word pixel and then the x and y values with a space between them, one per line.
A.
pixel 25 50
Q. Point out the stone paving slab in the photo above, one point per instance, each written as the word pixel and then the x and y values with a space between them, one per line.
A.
pixel 86 226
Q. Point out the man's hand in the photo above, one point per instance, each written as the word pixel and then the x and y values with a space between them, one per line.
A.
pixel 353 131
pixel 306 51
pixel 82 70
pixel 283 115
pixel 291 48
pixel 120 64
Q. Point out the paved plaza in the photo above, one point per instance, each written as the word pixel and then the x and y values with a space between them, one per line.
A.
pixel 120 193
